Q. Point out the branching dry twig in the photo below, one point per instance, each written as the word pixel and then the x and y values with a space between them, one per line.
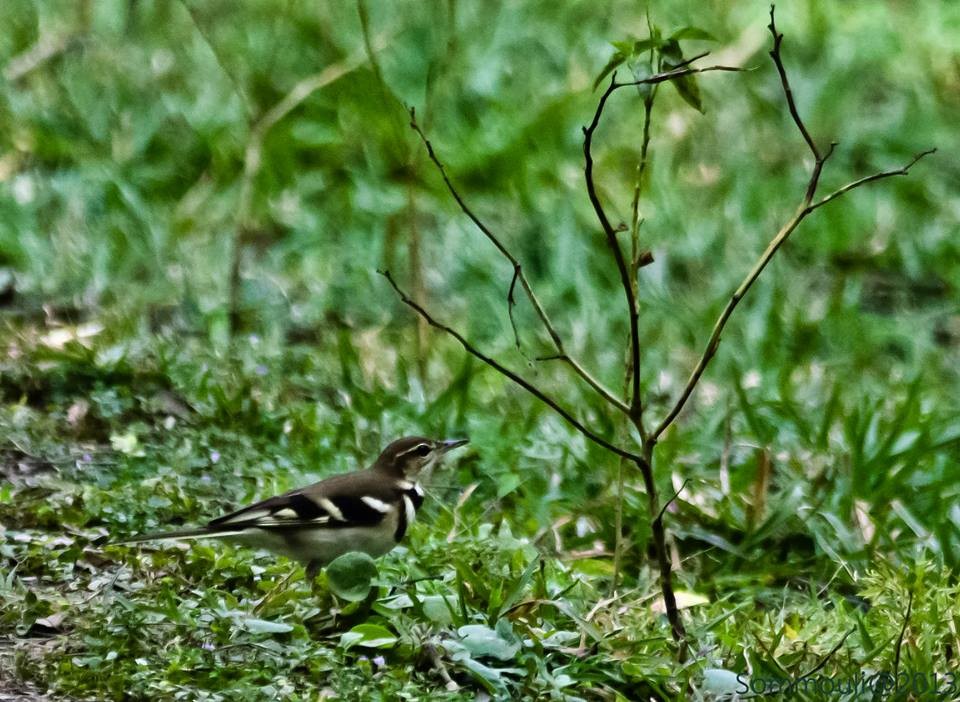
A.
pixel 610 232
pixel 627 280
pixel 518 274
pixel 503 370
pixel 806 207
pixel 633 406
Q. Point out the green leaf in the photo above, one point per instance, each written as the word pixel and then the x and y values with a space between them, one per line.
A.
pixel 686 86
pixel 481 640
pixel 507 483
pixel 351 576
pixel 519 586
pixel 264 626
pixel 643 45
pixel 368 636
pixel 615 60
pixel 692 33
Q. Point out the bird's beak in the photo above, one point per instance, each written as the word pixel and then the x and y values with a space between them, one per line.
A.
pixel 451 444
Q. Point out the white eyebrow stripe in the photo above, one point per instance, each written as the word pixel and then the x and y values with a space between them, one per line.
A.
pixel 331 509
pixel 411 511
pixel 414 448
pixel 379 505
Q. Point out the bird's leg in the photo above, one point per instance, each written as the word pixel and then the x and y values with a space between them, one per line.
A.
pixel 313 569
pixel 273 592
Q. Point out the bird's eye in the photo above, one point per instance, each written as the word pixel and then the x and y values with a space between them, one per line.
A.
pixel 422 450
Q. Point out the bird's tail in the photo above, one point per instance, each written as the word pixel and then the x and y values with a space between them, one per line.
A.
pixel 196 533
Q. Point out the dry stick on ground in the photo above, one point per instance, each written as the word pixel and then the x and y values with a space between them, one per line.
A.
pixel 807 205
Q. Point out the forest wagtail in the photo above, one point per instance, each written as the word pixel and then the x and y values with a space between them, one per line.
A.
pixel 367 510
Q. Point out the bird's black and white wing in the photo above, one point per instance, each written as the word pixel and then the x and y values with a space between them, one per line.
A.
pixel 308 508
pixel 314 525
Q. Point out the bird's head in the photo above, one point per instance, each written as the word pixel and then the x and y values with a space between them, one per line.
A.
pixel 408 457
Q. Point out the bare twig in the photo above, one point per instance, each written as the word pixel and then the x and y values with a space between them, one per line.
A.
pixel 634 399
pixel 869 179
pixel 635 263
pixel 660 548
pixel 787 92
pixel 806 207
pixel 518 274
pixel 628 282
pixel 637 257
pixel 673 497
pixel 503 370
pixel 610 232
pixel 511 303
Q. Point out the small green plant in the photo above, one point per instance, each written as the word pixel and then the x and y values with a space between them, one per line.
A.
pixel 669 57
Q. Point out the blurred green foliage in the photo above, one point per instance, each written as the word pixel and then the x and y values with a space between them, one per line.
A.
pixel 821 448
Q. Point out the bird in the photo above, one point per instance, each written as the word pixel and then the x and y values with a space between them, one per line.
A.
pixel 367 510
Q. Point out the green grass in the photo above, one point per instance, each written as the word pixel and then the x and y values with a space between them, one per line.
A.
pixel 821 450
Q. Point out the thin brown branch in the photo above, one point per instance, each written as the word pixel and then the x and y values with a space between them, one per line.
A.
pixel 806 207
pixel 519 380
pixel 869 179
pixel 819 157
pixel 518 273
pixel 634 398
pixel 635 262
pixel 511 303
pixel 610 232
pixel 787 92
pixel 673 73
pixel 673 498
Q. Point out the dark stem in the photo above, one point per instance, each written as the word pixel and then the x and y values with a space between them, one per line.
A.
pixel 635 401
pixel 660 546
